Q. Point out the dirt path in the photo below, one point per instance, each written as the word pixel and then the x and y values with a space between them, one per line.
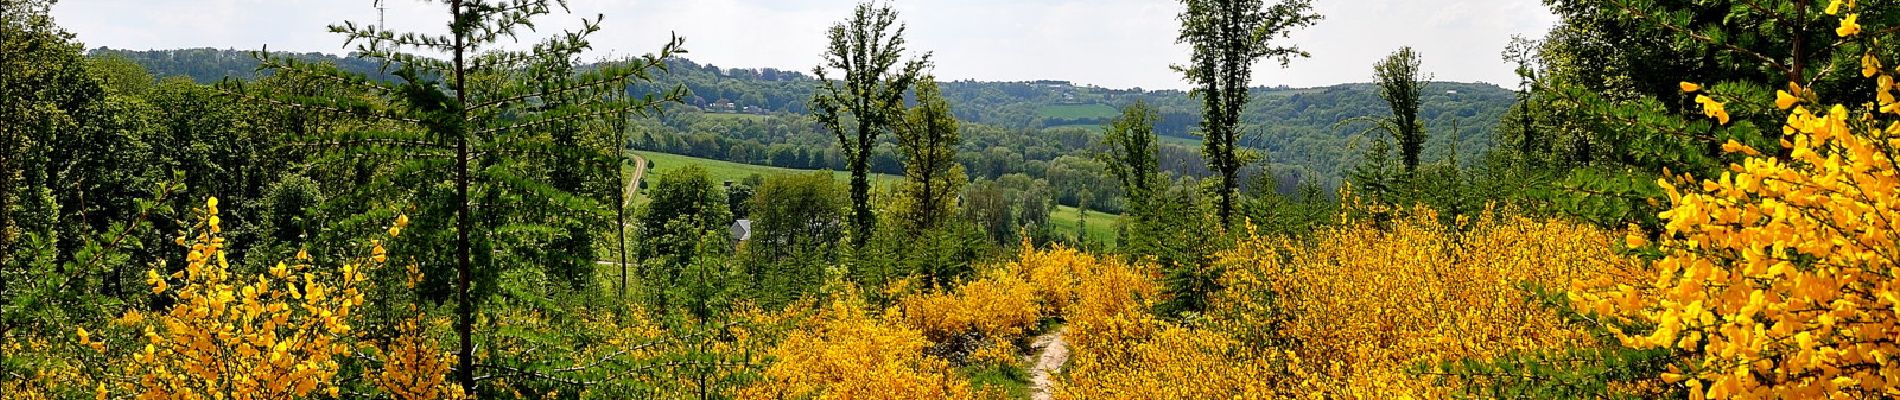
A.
pixel 633 186
pixel 1052 353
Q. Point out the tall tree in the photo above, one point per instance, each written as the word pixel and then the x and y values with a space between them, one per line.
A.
pixel 928 137
pixel 1227 38
pixel 866 50
pixel 1133 152
pixel 1523 52
pixel 471 128
pixel 686 206
pixel 1400 85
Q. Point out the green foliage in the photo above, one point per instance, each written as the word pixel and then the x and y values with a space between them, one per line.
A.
pixel 927 135
pixel 1227 38
pixel 209 65
pixel 1306 208
pixel 866 50
pixel 1011 380
pixel 685 205
pixel 1009 208
pixel 1133 151
pixel 797 223
pixel 1400 84
pixel 495 142
pixel 1179 233
pixel 1612 117
pixel 1004 130
pixel 1077 111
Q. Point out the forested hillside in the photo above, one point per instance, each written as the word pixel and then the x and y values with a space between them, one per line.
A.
pixel 1679 200
pixel 757 116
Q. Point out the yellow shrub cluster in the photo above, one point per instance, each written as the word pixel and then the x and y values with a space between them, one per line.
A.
pixel 1120 350
pixel 1060 274
pixel 1349 315
pixel 1107 300
pixel 414 367
pixel 1778 279
pixel 272 336
pixel 1010 298
pixel 999 305
pixel 849 354
pixel 1362 305
pixel 278 334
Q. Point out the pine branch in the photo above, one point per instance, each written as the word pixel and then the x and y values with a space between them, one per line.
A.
pixel 377 38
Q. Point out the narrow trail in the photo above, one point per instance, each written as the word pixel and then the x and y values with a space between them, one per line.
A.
pixel 1052 354
pixel 633 186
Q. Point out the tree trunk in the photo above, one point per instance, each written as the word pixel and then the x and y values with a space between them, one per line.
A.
pixel 620 196
pixel 464 301
pixel 861 217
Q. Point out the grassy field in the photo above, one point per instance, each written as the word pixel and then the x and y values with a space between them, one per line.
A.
pixel 1177 140
pixel 1101 226
pixel 1076 111
pixel 731 171
pixel 1090 128
pixel 719 170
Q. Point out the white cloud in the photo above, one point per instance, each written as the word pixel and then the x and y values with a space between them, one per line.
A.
pixel 1114 43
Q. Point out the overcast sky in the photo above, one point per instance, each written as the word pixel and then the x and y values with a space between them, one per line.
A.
pixel 1112 43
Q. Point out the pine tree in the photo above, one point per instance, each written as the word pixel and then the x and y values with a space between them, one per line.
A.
pixel 485 118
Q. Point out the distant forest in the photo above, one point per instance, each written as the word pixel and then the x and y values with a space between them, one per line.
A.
pixel 1047 130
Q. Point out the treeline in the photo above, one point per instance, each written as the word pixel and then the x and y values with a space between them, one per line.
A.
pixel 208 65
pixel 1308 134
pixel 758 116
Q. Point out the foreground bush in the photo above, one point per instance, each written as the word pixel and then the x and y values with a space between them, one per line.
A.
pixel 1778 279
pixel 1359 312
pixel 848 354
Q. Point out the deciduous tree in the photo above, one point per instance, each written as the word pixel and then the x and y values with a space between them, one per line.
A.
pixel 1400 85
pixel 928 137
pixel 1227 37
pixel 866 50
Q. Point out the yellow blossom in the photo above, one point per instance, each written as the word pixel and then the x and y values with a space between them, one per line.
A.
pixel 1783 99
pixel 1849 25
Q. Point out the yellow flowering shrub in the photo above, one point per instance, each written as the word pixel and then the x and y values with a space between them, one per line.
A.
pixel 1121 350
pixel 415 367
pixel 998 305
pixel 277 334
pixel 1109 306
pixel 849 354
pixel 1351 314
pixel 1362 305
pixel 1779 279
pixel 1059 274
pixel 271 336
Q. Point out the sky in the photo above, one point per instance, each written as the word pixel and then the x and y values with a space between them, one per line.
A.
pixel 1109 43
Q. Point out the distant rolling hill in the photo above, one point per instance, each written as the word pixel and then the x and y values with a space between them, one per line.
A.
pixel 749 113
